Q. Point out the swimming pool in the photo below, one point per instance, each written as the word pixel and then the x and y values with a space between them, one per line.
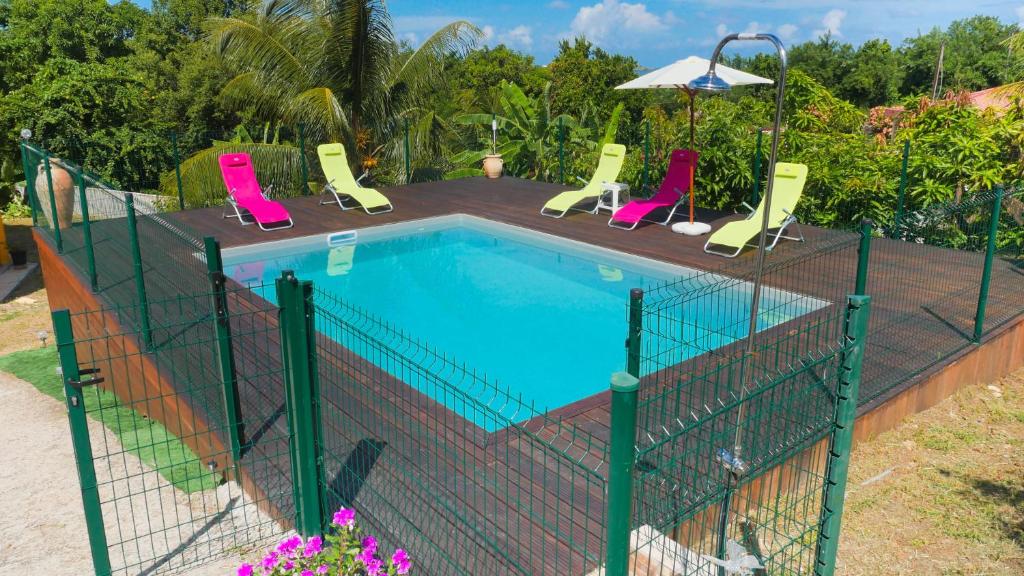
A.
pixel 541 315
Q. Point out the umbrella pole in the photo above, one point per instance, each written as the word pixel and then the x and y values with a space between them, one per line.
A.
pixel 693 167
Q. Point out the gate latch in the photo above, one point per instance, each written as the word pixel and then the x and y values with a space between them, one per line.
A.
pixel 79 384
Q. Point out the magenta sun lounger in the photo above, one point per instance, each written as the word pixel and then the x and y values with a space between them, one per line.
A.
pixel 673 193
pixel 247 198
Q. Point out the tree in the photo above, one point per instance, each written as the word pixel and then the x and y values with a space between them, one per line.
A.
pixel 975 56
pixel 336 67
pixel 584 78
pixel 826 60
pixel 476 77
pixel 874 75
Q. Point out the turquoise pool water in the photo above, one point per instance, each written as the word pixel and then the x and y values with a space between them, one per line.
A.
pixel 542 316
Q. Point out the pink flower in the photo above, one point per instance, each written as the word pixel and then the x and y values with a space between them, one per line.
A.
pixel 269 561
pixel 313 547
pixel 365 556
pixel 306 573
pixel 373 567
pixel 345 518
pixel 370 544
pixel 245 570
pixel 400 560
pixel 288 546
pixel 288 565
pixel 322 569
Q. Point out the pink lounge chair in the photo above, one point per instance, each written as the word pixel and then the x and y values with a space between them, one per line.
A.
pixel 673 193
pixel 247 198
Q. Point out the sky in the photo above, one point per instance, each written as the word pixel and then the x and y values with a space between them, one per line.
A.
pixel 658 32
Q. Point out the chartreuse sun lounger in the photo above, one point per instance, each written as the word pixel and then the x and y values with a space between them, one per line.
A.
pixel 730 239
pixel 247 198
pixel 612 156
pixel 344 187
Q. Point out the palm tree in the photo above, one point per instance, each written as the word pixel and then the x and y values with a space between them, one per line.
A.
pixel 336 66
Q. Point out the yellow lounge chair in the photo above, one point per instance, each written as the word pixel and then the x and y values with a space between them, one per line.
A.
pixel 789 185
pixel 346 190
pixel 612 156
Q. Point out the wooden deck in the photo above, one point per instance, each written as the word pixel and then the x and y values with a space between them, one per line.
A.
pixel 507 504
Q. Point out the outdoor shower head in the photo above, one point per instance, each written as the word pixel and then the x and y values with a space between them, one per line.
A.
pixel 709 82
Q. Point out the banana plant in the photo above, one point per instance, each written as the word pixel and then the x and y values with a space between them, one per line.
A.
pixel 528 136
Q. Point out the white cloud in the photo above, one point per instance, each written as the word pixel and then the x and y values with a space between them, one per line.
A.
pixel 757 27
pixel 488 33
pixel 558 4
pixel 518 37
pixel 1020 14
pixel 786 32
pixel 610 18
pixel 831 23
pixel 721 30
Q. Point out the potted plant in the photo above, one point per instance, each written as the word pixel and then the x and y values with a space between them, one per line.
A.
pixel 63 192
pixel 493 163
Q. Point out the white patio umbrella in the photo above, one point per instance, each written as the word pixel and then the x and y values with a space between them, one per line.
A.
pixel 678 75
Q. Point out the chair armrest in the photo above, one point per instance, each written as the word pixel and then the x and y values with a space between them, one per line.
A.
pixel 364 175
pixel 582 180
pixel 749 207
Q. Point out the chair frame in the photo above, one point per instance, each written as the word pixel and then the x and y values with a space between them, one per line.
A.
pixel 230 201
pixel 597 203
pixel 789 219
pixel 329 187
pixel 684 198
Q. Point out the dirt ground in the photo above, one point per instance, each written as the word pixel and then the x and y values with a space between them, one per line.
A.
pixel 944 492
pixel 25 313
pixel 42 527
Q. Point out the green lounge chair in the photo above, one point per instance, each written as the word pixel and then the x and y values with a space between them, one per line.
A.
pixel 346 190
pixel 612 156
pixel 789 185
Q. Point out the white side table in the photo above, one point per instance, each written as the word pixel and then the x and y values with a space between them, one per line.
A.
pixel 613 196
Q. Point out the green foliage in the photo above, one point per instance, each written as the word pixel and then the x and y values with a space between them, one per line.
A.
pixel 336 67
pixel 147 439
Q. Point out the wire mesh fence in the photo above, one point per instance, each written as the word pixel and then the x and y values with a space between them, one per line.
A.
pixel 464 474
pixel 168 490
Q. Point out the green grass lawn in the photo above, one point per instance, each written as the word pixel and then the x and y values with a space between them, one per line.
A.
pixel 147 439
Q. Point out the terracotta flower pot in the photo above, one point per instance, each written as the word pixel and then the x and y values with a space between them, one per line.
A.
pixel 63 193
pixel 493 165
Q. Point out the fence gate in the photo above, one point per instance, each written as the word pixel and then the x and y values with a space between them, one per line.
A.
pixel 180 458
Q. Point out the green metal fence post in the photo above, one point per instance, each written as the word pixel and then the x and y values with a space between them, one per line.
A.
pixel 647 156
pixel 408 160
pixel 755 191
pixel 298 349
pixel 30 183
pixel 225 353
pixel 622 458
pixel 140 279
pixel 561 150
pixel 53 205
pixel 90 254
pixel 986 272
pixel 177 170
pixel 863 256
pixel 302 155
pixel 71 375
pixel 902 192
pixel 858 310
pixel 636 325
